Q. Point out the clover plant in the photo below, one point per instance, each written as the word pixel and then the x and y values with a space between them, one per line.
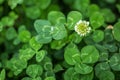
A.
pixel 59 39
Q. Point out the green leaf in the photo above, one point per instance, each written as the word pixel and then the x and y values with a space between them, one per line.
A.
pixel 24 36
pixel 101 48
pixel 70 74
pixel 59 32
pixel 108 15
pixel 75 38
pixel 43 4
pixel 83 68
pixel 100 67
pixel 110 1
pixel 116 31
pixel 92 9
pixel 118 7
pixel 111 47
pixel 108 36
pixel 72 18
pixel 81 5
pixel 26 54
pixel 53 7
pixel 13 15
pixel 47 60
pixel 34 70
pixel 21 28
pixel 1 1
pixel 88 40
pixel 11 33
pixel 16 41
pixel 114 62
pixel 32 12
pixel 58 44
pixel 49 73
pixel 72 54
pixel 2 74
pixel 50 78
pixel 58 68
pixel 17 65
pixel 43 38
pixel 89 54
pixel 40 55
pixel 98 35
pixel 96 20
pixel 14 3
pixel 48 66
pixel 107 75
pixel 89 76
pixel 43 28
pixel 1 26
pixel 26 78
pixel 34 44
pixel 75 76
pixel 42 25
pixel 103 56
pixel 7 21
pixel 56 17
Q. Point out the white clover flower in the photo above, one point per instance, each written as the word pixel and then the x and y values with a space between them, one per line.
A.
pixel 82 28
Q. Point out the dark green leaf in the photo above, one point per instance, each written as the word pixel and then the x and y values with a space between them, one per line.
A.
pixel 107 75
pixel 34 70
pixel 115 62
pixel 100 67
pixel 11 33
pixel 116 31
pixel 33 12
pixel 98 35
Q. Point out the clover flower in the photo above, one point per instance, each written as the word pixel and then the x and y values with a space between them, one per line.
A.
pixel 82 28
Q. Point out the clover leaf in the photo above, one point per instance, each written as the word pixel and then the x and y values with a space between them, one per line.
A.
pixel 89 54
pixel 43 28
pixel 116 31
pixel 72 18
pixel 96 20
pixel 59 32
pixel 56 17
pixel 34 70
pixel 40 55
pixel 83 68
pixel 114 62
pixel 72 54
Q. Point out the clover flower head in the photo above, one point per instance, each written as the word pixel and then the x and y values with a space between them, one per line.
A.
pixel 82 28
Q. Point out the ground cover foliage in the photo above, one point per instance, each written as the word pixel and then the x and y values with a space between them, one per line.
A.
pixel 59 39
